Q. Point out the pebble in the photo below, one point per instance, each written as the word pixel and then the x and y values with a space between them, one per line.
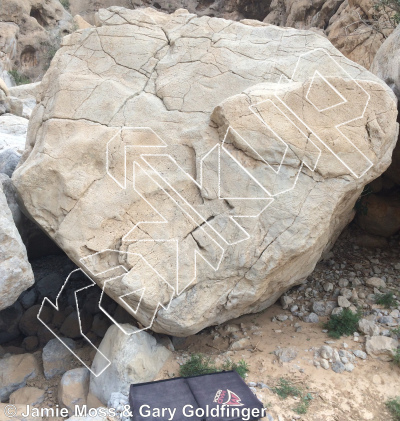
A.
pixel 349 367
pixel 338 367
pixel 360 354
pixel 311 318
pixel 324 363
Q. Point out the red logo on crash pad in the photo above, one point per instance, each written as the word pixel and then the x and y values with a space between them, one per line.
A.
pixel 227 397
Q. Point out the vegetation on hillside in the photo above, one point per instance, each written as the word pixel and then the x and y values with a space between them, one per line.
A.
pixel 345 323
pixel 199 364
pixel 18 78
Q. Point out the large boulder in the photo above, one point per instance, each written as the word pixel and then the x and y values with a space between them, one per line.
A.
pixel 15 271
pixel 259 116
pixel 135 357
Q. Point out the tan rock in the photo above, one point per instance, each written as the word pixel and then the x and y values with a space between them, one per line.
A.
pixel 15 371
pixel 15 271
pixel 93 401
pixel 81 23
pixel 189 96
pixel 356 27
pixel 30 30
pixel 4 87
pixel 376 282
pixel 343 302
pixel 28 396
pixel 57 357
pixel 368 327
pixel 135 357
pixel 386 64
pixel 381 347
pixel 73 389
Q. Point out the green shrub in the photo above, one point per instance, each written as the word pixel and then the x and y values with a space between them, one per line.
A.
pixel 18 78
pixel 396 331
pixel 65 4
pixel 390 9
pixel 396 358
pixel 242 368
pixel 394 408
pixel 303 405
pixel 345 323
pixel 286 388
pixel 202 364
pixel 196 365
pixel 386 300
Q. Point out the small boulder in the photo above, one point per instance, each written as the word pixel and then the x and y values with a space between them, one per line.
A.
pixel 376 282
pixel 285 355
pixel 9 321
pixel 311 318
pixel 360 354
pixel 8 161
pixel 100 324
pixel 27 396
pixel 125 351
pixel 30 343
pixel 74 388
pixel 324 363
pixel 240 344
pixel 286 301
pixel 29 323
pixel 337 311
pixel 338 367
pixel 381 347
pixel 368 327
pixel 57 358
pixel 323 308
pixel 326 352
pixel 343 302
pixel 15 371
pixel 72 326
pixel 349 367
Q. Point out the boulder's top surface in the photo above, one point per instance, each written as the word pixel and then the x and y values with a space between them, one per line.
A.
pixel 215 159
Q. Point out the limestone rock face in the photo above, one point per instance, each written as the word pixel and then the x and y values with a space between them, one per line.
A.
pixel 348 24
pixel 386 64
pixel 210 161
pixel 29 30
pixel 227 9
pixel 15 271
